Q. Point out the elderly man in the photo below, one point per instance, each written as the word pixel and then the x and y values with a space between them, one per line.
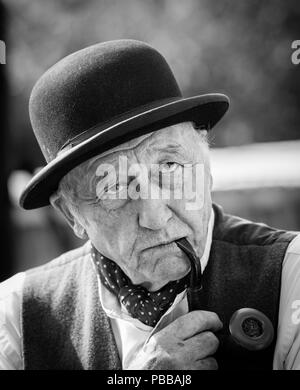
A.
pixel 128 167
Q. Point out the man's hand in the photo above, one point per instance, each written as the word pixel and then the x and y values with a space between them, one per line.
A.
pixel 188 343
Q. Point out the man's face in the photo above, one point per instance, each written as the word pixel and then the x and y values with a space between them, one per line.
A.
pixel 138 232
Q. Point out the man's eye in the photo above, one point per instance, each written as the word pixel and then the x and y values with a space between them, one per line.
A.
pixel 114 189
pixel 111 188
pixel 168 167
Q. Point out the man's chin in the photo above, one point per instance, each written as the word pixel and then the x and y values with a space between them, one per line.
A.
pixel 167 269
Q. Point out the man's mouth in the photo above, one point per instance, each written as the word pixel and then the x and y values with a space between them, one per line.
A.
pixel 170 244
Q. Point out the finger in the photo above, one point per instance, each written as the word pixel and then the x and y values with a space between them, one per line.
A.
pixel 202 345
pixel 195 322
pixel 209 363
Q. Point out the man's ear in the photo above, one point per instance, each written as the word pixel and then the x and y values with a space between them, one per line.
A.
pixel 60 204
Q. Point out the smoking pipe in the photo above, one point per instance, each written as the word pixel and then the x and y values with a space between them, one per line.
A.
pixel 248 328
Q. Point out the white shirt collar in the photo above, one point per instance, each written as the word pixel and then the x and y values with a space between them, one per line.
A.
pixel 112 307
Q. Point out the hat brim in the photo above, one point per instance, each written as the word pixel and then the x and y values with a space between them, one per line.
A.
pixel 204 110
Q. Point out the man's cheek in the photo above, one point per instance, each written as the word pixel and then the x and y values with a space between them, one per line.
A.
pixel 122 239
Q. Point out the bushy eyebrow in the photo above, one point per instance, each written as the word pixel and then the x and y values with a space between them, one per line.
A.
pixel 169 148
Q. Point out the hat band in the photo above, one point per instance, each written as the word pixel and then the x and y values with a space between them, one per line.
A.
pixel 128 115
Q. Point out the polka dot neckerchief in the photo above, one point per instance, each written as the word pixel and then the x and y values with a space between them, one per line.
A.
pixel 146 306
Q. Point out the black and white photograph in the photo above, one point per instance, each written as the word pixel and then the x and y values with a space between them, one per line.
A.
pixel 150 188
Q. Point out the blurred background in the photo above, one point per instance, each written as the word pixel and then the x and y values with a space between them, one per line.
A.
pixel 240 48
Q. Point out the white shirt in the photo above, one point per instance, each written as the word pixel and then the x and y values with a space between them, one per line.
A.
pixel 131 334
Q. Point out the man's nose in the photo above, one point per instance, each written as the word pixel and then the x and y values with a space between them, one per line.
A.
pixel 154 214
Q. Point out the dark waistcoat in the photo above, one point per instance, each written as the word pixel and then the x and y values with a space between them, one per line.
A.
pixel 64 326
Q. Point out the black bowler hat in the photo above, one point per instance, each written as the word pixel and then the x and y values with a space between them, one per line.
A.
pixel 100 97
